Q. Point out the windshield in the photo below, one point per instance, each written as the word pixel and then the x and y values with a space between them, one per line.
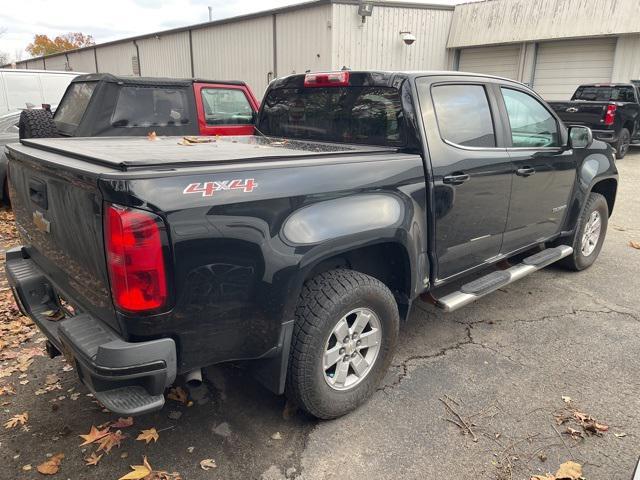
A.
pixel 74 103
pixel 363 115
pixel 605 94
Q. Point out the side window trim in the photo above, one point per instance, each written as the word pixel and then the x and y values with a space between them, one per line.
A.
pixel 493 109
pixel 507 123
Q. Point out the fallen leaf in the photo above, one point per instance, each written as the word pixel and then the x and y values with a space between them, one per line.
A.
pixel 123 422
pixel 566 399
pixel 620 435
pixel 16 420
pixel 190 449
pixel 569 471
pixel 27 468
pixel 51 379
pixel 7 390
pixel 276 436
pixel 93 435
pixel 51 466
pixel 635 245
pixel 177 394
pixel 93 459
pixel 113 439
pixel 139 471
pixel 208 464
pixel 148 435
pixel 576 434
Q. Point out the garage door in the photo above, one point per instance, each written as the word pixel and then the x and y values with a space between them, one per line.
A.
pixel 562 66
pixel 501 61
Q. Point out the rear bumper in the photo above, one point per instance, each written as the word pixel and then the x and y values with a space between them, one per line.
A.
pixel 129 378
pixel 608 136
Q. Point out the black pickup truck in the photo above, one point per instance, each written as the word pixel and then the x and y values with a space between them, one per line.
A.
pixel 298 250
pixel 612 111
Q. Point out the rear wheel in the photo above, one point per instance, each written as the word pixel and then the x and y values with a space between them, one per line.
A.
pixel 36 124
pixel 624 141
pixel 345 332
pixel 589 235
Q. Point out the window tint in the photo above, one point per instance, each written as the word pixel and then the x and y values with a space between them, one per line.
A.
pixel 74 103
pixel 363 115
pixel 531 124
pixel 463 114
pixel 225 106
pixel 141 106
pixel 605 94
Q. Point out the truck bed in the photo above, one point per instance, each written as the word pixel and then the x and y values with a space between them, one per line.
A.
pixel 131 153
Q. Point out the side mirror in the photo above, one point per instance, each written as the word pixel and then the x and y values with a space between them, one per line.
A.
pixel 580 137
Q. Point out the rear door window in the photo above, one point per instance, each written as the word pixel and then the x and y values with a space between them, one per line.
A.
pixel 463 114
pixel 226 106
pixel 74 103
pixel 142 106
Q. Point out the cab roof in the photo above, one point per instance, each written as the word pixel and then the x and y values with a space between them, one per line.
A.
pixel 165 81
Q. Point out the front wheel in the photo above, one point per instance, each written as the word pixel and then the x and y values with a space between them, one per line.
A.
pixel 589 235
pixel 345 332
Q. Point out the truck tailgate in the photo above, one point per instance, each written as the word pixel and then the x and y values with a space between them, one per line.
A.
pixel 59 217
pixel 590 114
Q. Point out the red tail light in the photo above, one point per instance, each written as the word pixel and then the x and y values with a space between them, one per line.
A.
pixel 135 258
pixel 333 79
pixel 610 114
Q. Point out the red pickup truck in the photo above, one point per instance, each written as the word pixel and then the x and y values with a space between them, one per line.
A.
pixel 107 105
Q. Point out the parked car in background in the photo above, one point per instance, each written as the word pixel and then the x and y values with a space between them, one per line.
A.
pixel 298 250
pixel 20 89
pixel 612 111
pixel 25 89
pixel 101 104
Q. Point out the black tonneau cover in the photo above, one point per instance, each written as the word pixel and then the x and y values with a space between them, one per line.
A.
pixel 127 153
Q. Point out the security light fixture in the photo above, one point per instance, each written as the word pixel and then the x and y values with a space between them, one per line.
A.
pixel 365 10
pixel 408 38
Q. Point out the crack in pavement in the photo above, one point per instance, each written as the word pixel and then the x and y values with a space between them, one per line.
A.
pixel 416 360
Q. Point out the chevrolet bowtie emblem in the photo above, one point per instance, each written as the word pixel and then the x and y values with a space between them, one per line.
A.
pixel 40 222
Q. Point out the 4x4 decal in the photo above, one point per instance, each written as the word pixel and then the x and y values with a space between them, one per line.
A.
pixel 207 189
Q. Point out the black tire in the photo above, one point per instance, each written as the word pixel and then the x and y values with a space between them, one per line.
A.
pixel 325 299
pixel 623 143
pixel 36 124
pixel 578 260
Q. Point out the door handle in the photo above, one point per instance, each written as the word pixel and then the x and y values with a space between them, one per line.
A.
pixel 525 172
pixel 456 178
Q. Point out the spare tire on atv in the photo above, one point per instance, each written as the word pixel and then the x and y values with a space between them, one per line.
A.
pixel 36 124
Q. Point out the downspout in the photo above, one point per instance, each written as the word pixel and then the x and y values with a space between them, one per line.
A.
pixel 68 65
pixel 95 58
pixel 193 74
pixel 275 47
pixel 44 63
pixel 135 43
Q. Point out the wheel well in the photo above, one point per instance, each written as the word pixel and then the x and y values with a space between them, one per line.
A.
pixel 629 126
pixel 388 262
pixel 607 188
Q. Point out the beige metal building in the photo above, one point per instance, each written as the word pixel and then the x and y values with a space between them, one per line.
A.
pixel 553 45
pixel 318 35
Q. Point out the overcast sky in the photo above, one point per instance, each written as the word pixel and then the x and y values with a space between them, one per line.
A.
pixel 113 19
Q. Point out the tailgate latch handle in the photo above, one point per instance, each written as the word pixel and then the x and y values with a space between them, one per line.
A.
pixel 38 193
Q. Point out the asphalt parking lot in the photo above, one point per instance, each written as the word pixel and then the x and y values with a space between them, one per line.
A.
pixel 474 394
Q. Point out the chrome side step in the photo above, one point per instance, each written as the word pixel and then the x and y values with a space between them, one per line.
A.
pixel 472 291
